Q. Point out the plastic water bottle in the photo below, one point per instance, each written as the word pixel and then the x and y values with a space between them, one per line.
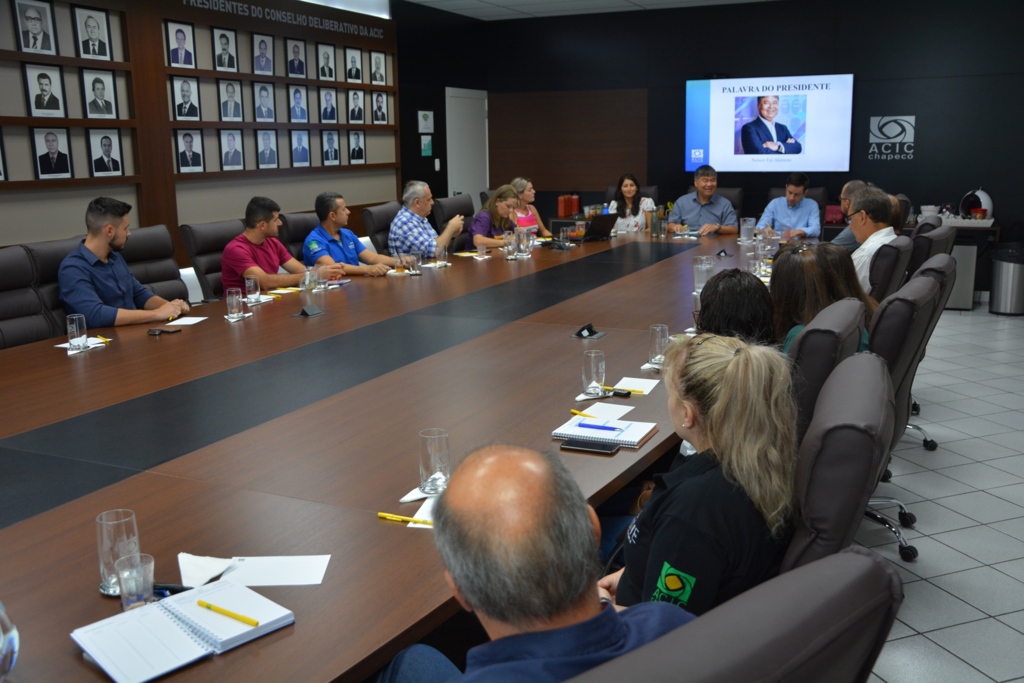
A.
pixel 604 211
pixel 8 644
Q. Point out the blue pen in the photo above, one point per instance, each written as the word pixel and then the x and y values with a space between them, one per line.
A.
pixel 604 427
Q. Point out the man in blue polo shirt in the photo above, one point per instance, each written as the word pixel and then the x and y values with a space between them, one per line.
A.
pixel 331 242
pixel 94 279
pixel 703 210
pixel 794 213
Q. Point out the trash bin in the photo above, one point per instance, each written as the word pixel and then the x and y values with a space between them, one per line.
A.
pixel 1007 295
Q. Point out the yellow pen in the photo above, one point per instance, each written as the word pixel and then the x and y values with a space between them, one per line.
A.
pixel 399 518
pixel 104 339
pixel 228 613
pixel 275 296
pixel 632 391
pixel 576 412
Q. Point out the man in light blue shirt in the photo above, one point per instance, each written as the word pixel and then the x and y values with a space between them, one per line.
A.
pixel 410 231
pixel 331 242
pixel 793 215
pixel 703 210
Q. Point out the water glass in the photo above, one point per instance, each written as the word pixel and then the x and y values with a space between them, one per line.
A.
pixel 656 345
pixel 116 536
pixel 78 337
pixel 8 643
pixel 415 259
pixel 702 267
pixel 532 232
pixel 320 272
pixel 252 290
pixel 593 373
pixel 435 459
pixel 522 243
pixel 481 250
pixel 747 230
pixel 135 579
pixel 234 299
pixel 441 257
pixel 564 237
pixel 508 241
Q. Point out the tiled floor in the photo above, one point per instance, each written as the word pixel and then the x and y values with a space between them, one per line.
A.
pixel 962 619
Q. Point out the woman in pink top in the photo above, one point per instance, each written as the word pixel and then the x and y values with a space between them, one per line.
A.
pixel 526 215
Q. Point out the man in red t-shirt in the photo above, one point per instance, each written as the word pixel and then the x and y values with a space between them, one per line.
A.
pixel 258 253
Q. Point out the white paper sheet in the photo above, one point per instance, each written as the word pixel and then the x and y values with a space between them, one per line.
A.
pixel 187 320
pixel 93 343
pixel 198 570
pixel 235 320
pixel 415 494
pixel 644 385
pixel 426 511
pixel 607 411
pixel 283 570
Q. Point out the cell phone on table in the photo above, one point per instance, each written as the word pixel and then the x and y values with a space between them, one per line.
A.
pixel 590 447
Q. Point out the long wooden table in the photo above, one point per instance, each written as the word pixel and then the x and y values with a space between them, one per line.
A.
pixel 309 480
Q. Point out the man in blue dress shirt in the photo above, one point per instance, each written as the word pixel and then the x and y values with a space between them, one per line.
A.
pixel 703 210
pixel 793 215
pixel 331 242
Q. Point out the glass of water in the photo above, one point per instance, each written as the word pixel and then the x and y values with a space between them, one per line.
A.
pixel 702 267
pixel 593 373
pixel 657 343
pixel 747 230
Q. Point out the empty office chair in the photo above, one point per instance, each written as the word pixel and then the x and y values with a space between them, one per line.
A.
pixel 830 338
pixel 733 194
pixel 840 456
pixel 645 191
pixel 22 317
pixel 826 621
pixel 926 225
pixel 205 243
pixel 377 221
pixel 818 194
pixel 295 228
pixel 905 206
pixel 149 253
pixel 446 208
pixel 928 244
pixel 889 267
pixel 46 259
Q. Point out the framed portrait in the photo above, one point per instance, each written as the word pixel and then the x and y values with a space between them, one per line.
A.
pixel 99 94
pixel 190 151
pixel 34 26
pixel 326 68
pixel 230 96
pixel 356 110
pixel 53 153
pixel 353 65
pixel 300 148
pixel 232 156
pixel 44 90
pixel 185 91
pixel 263 102
pixel 329 144
pixel 3 161
pixel 262 54
pixel 379 113
pixel 92 33
pixel 295 53
pixel 297 112
pixel 378 66
pixel 105 155
pixel 356 147
pixel 181 44
pixel 266 149
pixel 328 105
pixel 225 49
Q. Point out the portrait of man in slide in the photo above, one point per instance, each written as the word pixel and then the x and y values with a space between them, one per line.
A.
pixel 764 134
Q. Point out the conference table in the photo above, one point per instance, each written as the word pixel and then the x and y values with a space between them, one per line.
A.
pixel 281 435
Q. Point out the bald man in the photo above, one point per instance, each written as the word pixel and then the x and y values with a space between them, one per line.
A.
pixel 520 546
pixel 846 239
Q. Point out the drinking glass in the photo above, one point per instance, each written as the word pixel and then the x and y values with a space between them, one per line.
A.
pixel 234 299
pixel 415 258
pixel 522 243
pixel 78 337
pixel 252 290
pixel 8 643
pixel 508 240
pixel 563 237
pixel 532 232
pixel 116 536
pixel 321 278
pixel 593 373
pixel 702 267
pixel 747 230
pixel 309 283
pixel 441 257
pixel 135 579
pixel 434 460
pixel 401 260
pixel 481 250
pixel 656 345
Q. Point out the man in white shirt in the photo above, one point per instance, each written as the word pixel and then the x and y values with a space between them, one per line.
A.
pixel 870 218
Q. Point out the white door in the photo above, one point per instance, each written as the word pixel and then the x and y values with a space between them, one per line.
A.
pixel 466 129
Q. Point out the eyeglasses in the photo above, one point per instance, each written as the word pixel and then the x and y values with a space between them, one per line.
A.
pixel 33 18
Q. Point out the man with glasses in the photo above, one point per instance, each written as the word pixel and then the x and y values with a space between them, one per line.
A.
pixel 871 223
pixel 846 239
pixel 34 38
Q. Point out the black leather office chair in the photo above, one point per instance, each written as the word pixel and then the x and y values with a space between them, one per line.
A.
pixel 889 267
pixel 929 244
pixel 46 259
pixel 149 253
pixel 205 243
pixel 926 225
pixel 905 206
pixel 377 221
pixel 826 621
pixel 446 208
pixel 484 196
pixel 818 194
pixel 840 456
pixel 295 228
pixel 645 191
pixel 22 317
pixel 733 194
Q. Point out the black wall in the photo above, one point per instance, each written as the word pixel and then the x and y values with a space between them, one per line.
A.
pixel 957 66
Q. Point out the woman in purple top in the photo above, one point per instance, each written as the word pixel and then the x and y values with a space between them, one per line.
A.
pixel 493 219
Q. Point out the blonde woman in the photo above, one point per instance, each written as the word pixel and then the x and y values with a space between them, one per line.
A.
pixel 526 215
pixel 718 522
pixel 494 219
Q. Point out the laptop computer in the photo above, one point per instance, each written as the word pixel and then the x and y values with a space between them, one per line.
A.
pixel 599 228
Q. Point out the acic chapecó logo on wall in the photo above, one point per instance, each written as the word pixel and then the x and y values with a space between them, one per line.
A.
pixel 891 137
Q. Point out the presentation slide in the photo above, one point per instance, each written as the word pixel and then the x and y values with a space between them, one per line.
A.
pixel 771 124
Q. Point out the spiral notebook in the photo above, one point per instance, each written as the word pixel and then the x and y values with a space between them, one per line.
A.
pixel 621 432
pixel 148 642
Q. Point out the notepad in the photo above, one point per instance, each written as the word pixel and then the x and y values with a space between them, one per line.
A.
pixel 148 642
pixel 630 434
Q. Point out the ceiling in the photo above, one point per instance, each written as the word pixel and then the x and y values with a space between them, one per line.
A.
pixel 493 10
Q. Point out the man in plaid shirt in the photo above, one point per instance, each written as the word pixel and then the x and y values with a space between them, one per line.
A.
pixel 410 231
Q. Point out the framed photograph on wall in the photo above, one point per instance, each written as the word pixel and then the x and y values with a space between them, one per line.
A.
pixel 326 68
pixel 232 156
pixel 329 143
pixel 190 151
pixel 92 33
pixel 356 148
pixel 328 106
pixel 181 44
pixel 99 94
pixel 262 54
pixel 266 149
pixel 378 64
pixel 353 65
pixel 380 108
pixel 230 100
pixel 44 90
pixel 295 53
pixel 105 155
pixel 225 47
pixel 298 113
pixel 34 27
pixel 3 161
pixel 356 112
pixel 185 91
pixel 53 153
pixel 300 148
pixel 263 102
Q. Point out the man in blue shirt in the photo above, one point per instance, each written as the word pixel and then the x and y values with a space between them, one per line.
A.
pixel 704 210
pixel 794 215
pixel 330 242
pixel 410 230
pixel 94 279
pixel 520 546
